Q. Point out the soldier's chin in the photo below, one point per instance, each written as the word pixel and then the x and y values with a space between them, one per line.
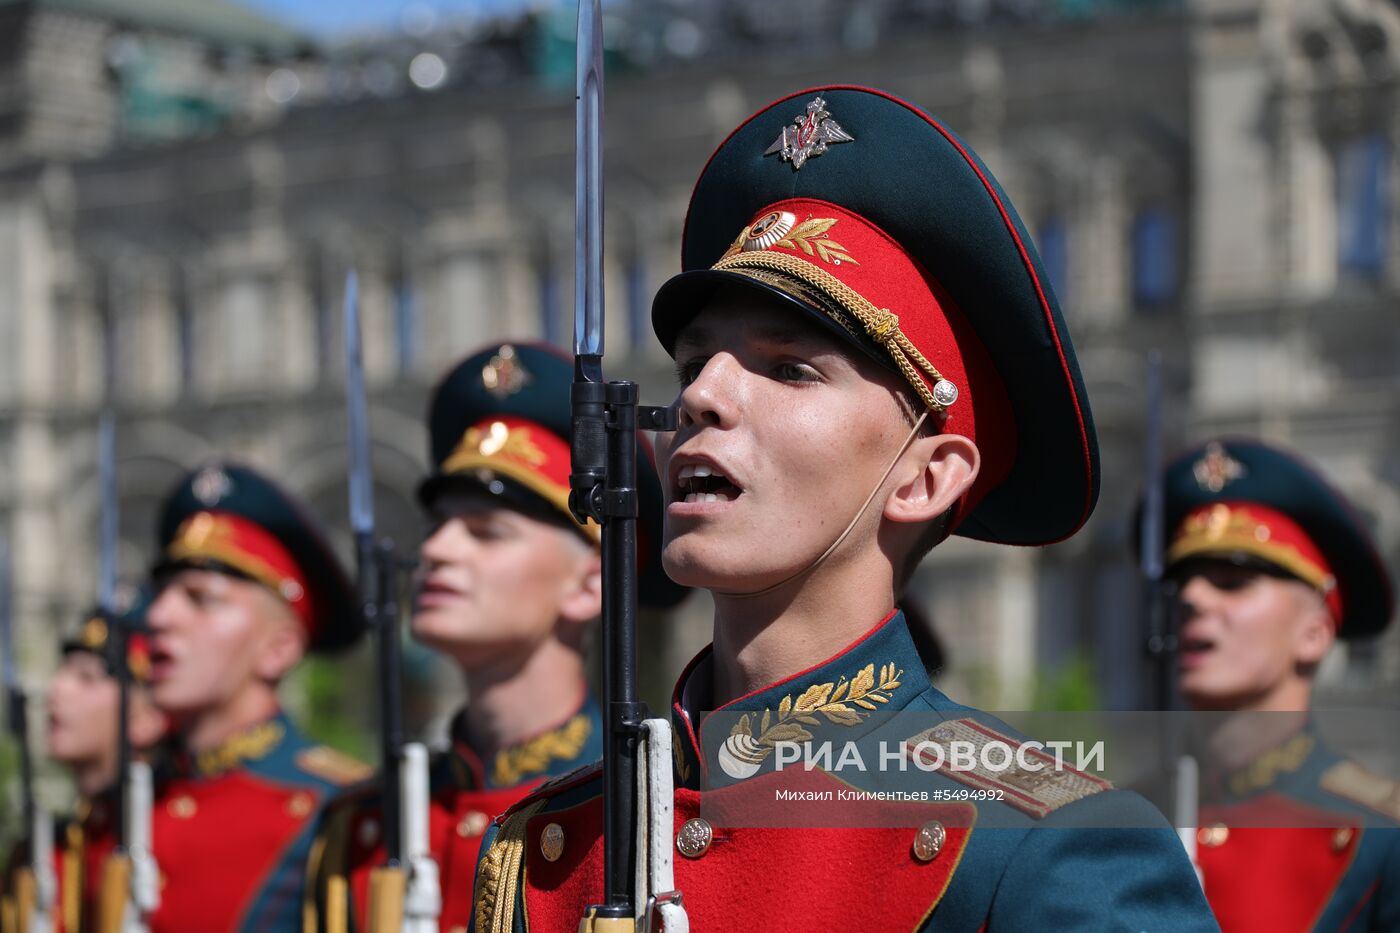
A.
pixel 173 700
pixel 1203 696
pixel 700 565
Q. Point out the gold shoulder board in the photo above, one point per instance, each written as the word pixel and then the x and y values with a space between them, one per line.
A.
pixel 337 767
pixel 1038 790
pixel 1352 781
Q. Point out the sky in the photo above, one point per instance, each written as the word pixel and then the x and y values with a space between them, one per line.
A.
pixel 330 18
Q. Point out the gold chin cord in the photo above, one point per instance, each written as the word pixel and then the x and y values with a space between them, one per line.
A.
pixel 913 432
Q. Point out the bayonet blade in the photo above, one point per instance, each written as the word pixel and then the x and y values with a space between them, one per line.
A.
pixel 361 478
pixel 588 183
pixel 1154 503
pixel 9 673
pixel 107 486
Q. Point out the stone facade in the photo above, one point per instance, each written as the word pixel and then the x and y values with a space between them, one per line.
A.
pixel 1177 166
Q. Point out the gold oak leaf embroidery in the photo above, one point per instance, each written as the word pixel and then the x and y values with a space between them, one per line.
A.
pixel 840 703
pixel 811 237
pixel 739 241
pixel 536 755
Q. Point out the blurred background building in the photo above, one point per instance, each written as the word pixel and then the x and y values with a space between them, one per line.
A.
pixel 184 184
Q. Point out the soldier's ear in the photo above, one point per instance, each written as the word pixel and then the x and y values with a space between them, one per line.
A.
pixel 582 598
pixel 283 645
pixel 1316 632
pixel 934 473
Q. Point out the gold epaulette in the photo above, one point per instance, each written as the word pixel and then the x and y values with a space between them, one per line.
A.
pixel 1037 791
pixel 1352 781
pixel 334 766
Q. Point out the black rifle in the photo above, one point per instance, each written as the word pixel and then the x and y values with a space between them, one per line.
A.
pixel 404 892
pixel 1158 600
pixel 1161 637
pixel 603 485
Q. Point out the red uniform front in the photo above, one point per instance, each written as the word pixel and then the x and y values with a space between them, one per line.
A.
pixel 232 830
pixel 467 793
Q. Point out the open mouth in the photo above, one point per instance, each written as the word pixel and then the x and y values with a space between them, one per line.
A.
pixel 1196 647
pixel 432 593
pixel 700 483
pixel 161 661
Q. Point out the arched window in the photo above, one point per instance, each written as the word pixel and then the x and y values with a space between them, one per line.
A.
pixel 1154 259
pixel 1363 208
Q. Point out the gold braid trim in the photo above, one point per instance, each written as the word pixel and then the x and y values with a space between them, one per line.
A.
pixel 72 883
pixel 834 297
pixel 499 874
pixel 512 764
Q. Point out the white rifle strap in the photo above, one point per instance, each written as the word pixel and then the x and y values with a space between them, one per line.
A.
pixel 45 884
pixel 422 901
pixel 655 823
pixel 1186 808
pixel 145 877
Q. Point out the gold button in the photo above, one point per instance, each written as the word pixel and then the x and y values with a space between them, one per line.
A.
pixel 458 930
pixel 299 805
pixel 552 842
pixel 182 807
pixel 928 841
pixel 694 838
pixel 1213 836
pixel 1341 838
pixel 473 823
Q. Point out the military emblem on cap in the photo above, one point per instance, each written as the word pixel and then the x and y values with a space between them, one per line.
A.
pixel 780 229
pixel 211 485
pixel 809 136
pixel 504 375
pixel 1217 469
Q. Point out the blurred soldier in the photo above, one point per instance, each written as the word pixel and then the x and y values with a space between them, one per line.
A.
pixel 247 585
pixel 509 589
pixel 869 360
pixel 1272 567
pixel 81 735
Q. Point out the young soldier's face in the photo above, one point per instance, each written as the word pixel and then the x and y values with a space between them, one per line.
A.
pixel 1244 633
pixel 213 636
pixel 783 434
pixel 82 704
pixel 494 583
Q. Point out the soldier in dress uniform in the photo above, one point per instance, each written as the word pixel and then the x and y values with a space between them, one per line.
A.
pixel 246 585
pixel 508 589
pixel 1272 566
pixel 870 359
pixel 81 734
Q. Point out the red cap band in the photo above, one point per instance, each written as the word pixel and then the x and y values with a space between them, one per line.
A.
pixel 248 548
pixel 1224 528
